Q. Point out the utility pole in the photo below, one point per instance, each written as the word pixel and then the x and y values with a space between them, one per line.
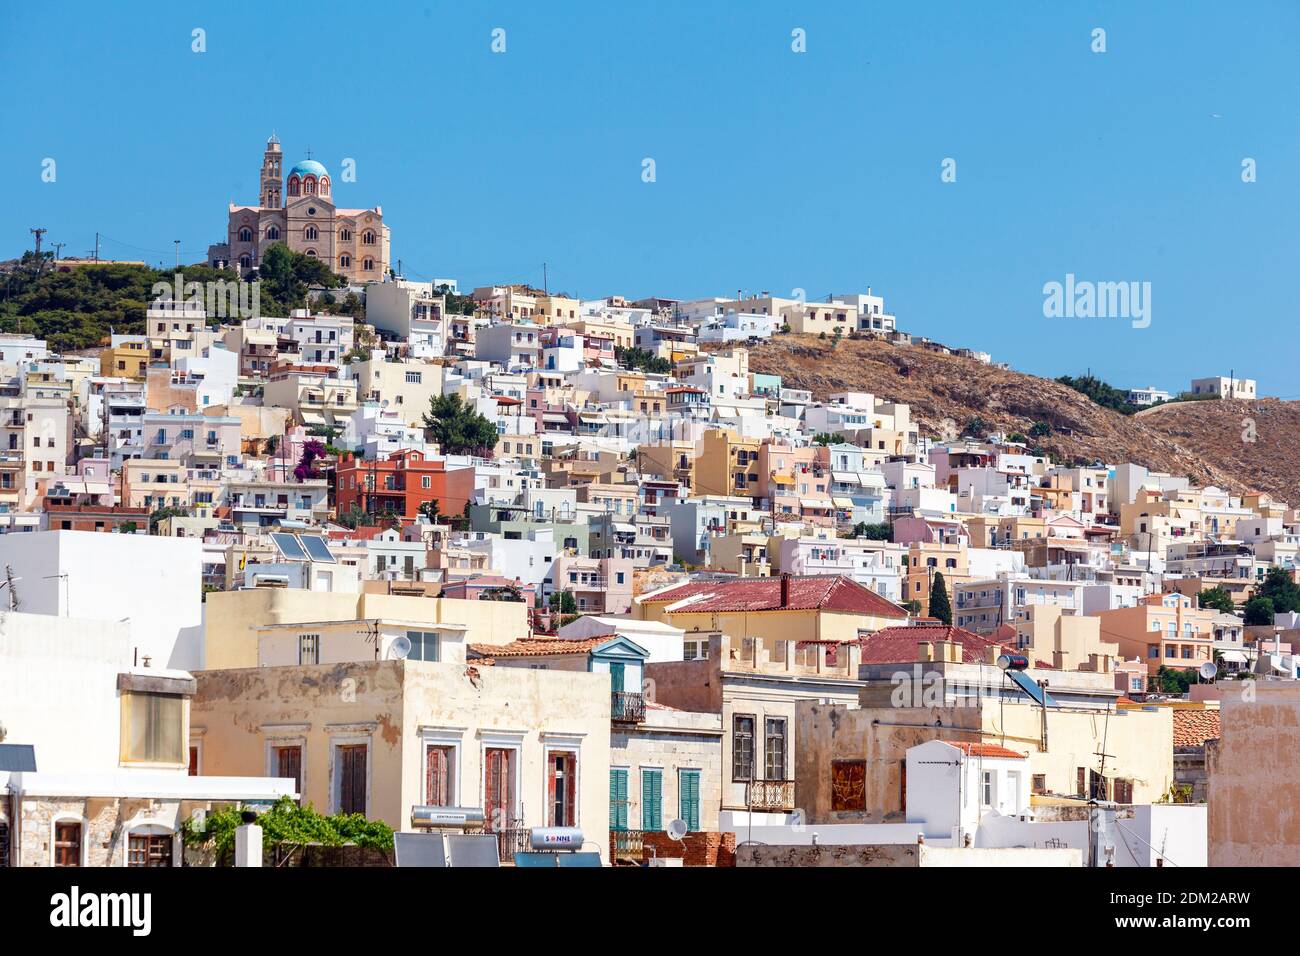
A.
pixel 545 287
pixel 57 246
pixel 178 252
pixel 96 247
pixel 38 233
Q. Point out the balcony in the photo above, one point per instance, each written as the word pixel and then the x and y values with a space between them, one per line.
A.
pixel 627 707
pixel 776 795
pixel 511 839
pixel 627 844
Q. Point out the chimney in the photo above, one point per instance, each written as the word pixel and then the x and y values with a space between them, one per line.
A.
pixel 785 589
pixel 925 650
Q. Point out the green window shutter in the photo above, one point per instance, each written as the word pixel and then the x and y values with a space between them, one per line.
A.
pixel 690 799
pixel 618 799
pixel 616 677
pixel 652 799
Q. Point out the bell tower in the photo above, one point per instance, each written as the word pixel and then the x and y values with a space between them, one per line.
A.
pixel 271 175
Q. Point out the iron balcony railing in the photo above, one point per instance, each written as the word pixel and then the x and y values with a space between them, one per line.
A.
pixel 628 844
pixel 770 795
pixel 627 707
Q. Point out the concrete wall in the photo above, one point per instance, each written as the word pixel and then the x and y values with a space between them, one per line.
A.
pixel 671 741
pixel 1254 778
pixel 151 583
pixel 911 855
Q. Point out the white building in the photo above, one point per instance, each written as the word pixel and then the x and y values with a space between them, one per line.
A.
pixel 1221 386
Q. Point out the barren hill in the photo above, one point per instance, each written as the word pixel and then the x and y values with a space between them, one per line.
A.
pixel 1203 440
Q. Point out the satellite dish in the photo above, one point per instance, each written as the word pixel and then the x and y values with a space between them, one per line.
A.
pixel 1209 670
pixel 677 829
pixel 400 649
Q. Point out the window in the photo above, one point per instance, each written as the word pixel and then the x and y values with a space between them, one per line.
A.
pixel 67 843
pixel 1123 791
pixel 424 645
pixel 1039 783
pixel 652 799
pixel 308 648
pixel 617 799
pixel 499 787
pixel 987 789
pixel 288 763
pixel 350 764
pixel 688 799
pixel 151 728
pixel 774 749
pixel 848 786
pixel 561 788
pixel 437 776
pixel 742 747
pixel 1081 782
pixel 412 378
pixel 149 850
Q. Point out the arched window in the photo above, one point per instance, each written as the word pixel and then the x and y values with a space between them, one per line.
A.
pixel 245 262
pixel 345 235
pixel 368 237
pixel 309 185
pixel 310 233
pixel 293 185
pixel 312 253
pixel 245 234
pixel 325 185
pixel 367 264
pixel 345 261
pixel 272 232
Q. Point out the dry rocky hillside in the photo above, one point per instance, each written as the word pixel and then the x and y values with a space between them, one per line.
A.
pixel 1203 440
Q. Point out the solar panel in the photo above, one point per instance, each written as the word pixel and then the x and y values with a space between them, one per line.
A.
pixel 316 547
pixel 473 849
pixel 1022 680
pixel 581 858
pixel 288 546
pixel 419 849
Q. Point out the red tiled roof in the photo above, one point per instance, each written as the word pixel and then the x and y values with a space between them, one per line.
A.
pixel 538 647
pixel 984 750
pixel 899 645
pixel 822 592
pixel 1192 728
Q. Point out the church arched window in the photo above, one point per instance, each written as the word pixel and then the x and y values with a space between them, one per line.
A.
pixel 367 264
pixel 272 232
pixel 294 184
pixel 245 234
pixel 312 253
pixel 345 261
pixel 324 185
pixel 368 237
pixel 245 262
pixel 310 234
pixel 309 186
pixel 345 234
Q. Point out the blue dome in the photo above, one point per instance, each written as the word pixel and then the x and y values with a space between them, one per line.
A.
pixel 308 167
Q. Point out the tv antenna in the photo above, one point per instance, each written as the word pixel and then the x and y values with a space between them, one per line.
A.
pixel 10 583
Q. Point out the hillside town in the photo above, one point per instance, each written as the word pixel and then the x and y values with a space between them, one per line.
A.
pixel 566 578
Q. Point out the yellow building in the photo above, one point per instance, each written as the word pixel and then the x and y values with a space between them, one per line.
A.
pixel 126 357
pixel 772 610
pixel 727 464
pixel 233 617
pixel 1163 630
pixel 1066 641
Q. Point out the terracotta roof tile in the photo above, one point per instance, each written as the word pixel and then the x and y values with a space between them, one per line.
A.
pixel 1192 728
pixel 899 645
pixel 984 750
pixel 538 647
pixel 830 592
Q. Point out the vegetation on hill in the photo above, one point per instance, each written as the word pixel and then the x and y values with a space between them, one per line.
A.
pixel 1107 396
pixel 76 309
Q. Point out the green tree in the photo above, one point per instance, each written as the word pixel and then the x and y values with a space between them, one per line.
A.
pixel 456 304
pixel 430 510
pixel 564 602
pixel 287 275
pixel 940 606
pixel 457 428
pixel 1259 610
pixel 162 514
pixel 976 428
pixel 1174 680
pixel 873 532
pixel 1280 588
pixel 1217 598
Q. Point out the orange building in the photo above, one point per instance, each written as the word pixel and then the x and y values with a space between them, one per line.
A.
pixel 400 484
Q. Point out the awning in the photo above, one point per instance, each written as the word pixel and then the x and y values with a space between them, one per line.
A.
pixel 555 418
pixel 813 503
pixel 846 503
pixel 1236 657
pixel 782 480
pixel 845 477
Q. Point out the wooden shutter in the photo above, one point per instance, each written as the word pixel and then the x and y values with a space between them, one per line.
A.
pixel 437 776
pixel 652 799
pixel 497 788
pixel 618 799
pixel 689 802
pixel 289 764
pixel 616 677
pixel 352 781
pixel 67 844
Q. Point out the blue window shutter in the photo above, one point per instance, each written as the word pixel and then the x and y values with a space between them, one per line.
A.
pixel 616 677
pixel 690 799
pixel 652 799
pixel 618 799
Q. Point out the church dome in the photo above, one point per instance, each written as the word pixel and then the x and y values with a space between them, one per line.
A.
pixel 308 167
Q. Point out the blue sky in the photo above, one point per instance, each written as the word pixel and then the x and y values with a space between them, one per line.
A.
pixel 775 170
